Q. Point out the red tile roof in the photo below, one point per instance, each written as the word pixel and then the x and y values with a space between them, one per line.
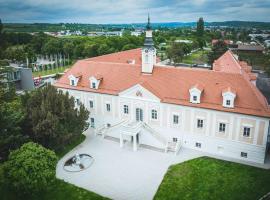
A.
pixel 119 76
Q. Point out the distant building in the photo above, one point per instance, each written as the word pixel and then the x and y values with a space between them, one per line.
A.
pixel 267 43
pixel 250 48
pixel 136 33
pixel 183 41
pixel 254 36
pixel 227 42
pixel 21 77
pixel 108 34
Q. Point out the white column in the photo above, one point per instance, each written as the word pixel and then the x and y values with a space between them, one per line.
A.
pixel 121 140
pixel 134 143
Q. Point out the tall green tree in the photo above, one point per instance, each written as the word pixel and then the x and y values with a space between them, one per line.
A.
pixel 218 49
pixel 30 170
pixel 200 27
pixel 11 117
pixel 52 119
pixel 176 52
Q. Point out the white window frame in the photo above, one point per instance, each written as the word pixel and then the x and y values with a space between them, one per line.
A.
pixel 154 114
pixel 198 124
pixel 176 116
pixel 92 122
pixel 244 154
pixel 93 85
pixel 245 128
pixel 222 129
pixel 195 92
pixel 91 101
pixel 108 107
pixel 228 96
pixel 72 82
pixel 198 145
pixel 126 109
pixel 77 101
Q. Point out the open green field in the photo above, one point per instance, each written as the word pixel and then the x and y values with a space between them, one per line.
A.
pixel 50 71
pixel 198 57
pixel 61 190
pixel 211 179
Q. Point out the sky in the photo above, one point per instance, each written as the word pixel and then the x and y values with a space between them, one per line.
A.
pixel 132 11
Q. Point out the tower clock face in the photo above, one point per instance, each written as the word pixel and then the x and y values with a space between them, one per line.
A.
pixel 146 51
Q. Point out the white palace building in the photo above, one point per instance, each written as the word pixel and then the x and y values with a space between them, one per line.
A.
pixel 133 99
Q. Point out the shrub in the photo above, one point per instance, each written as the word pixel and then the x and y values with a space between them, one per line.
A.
pixel 30 169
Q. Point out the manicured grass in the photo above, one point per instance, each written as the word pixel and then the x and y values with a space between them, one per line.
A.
pixel 60 190
pixel 198 57
pixel 50 71
pixel 207 178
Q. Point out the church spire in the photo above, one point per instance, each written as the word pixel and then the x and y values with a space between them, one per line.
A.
pixel 148 27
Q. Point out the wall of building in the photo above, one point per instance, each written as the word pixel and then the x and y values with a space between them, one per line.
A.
pixel 230 143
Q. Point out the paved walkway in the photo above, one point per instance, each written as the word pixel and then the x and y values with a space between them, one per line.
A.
pixel 121 173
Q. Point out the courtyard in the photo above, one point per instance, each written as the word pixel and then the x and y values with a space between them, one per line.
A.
pixel 120 173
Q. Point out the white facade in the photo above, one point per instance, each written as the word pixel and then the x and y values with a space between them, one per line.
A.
pixel 215 132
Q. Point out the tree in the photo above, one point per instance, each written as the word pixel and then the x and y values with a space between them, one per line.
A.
pixel 218 49
pixel 11 117
pixel 201 43
pixel 2 39
pixel 200 27
pixel 51 118
pixel 68 49
pixel 103 49
pixel 176 52
pixel 128 46
pixel 52 46
pixel 30 169
pixel 91 50
pixel 267 64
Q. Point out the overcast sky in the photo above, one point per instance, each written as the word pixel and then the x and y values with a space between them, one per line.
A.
pixel 132 11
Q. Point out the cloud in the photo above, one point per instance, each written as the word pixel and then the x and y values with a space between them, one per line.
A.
pixel 131 11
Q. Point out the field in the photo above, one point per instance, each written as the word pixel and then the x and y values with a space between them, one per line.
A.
pixel 198 57
pixel 50 71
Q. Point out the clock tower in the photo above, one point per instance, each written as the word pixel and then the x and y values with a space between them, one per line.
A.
pixel 148 51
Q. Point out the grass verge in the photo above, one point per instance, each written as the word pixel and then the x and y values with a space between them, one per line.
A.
pixel 212 179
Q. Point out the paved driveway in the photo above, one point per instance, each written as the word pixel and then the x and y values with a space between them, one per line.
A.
pixel 121 173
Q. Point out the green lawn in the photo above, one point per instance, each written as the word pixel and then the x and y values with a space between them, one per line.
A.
pixel 61 190
pixel 211 179
pixel 50 71
pixel 198 57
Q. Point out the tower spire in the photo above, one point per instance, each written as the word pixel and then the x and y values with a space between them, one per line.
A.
pixel 148 27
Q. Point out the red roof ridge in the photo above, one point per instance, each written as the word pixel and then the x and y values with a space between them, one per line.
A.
pixel 229 89
pixel 110 54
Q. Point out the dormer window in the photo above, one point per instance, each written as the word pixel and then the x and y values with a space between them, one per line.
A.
pixel 74 79
pixel 228 97
pixel 95 81
pixel 195 94
pixel 72 82
pixel 93 85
